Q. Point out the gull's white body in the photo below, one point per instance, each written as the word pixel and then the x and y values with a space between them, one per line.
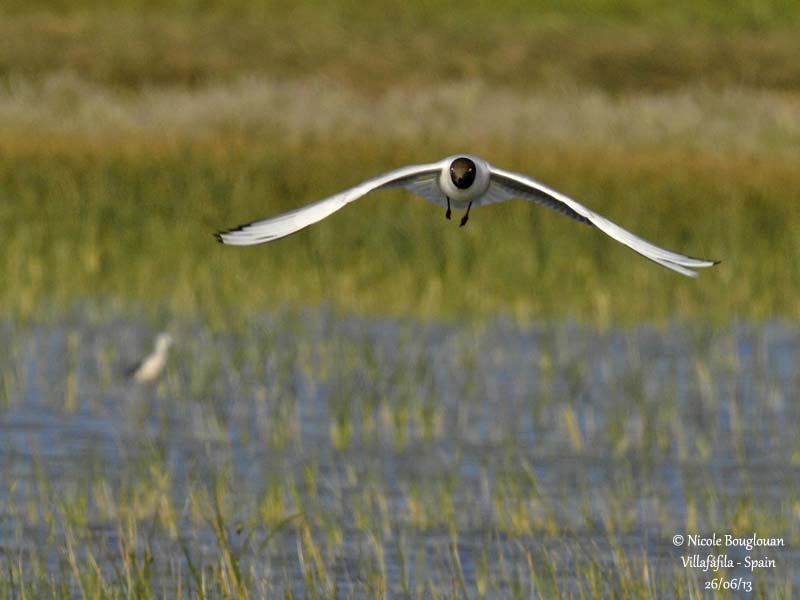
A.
pixel 150 367
pixel 436 182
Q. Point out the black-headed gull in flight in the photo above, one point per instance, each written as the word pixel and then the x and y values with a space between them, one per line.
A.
pixel 461 181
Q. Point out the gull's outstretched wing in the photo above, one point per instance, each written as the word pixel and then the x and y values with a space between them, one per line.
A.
pixel 420 179
pixel 424 185
pixel 505 185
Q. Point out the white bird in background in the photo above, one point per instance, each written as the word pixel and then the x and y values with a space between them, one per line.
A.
pixel 462 181
pixel 149 368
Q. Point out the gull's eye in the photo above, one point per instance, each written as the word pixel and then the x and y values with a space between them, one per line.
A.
pixel 462 172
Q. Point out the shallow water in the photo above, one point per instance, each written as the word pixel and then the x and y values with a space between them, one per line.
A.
pixel 434 457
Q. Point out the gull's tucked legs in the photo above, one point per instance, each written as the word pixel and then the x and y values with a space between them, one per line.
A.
pixel 465 218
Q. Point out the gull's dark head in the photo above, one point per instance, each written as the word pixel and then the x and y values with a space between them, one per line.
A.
pixel 462 172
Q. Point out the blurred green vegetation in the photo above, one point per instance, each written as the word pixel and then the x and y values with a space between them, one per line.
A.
pixel 126 211
pixel 136 223
pixel 617 46
pixel 131 130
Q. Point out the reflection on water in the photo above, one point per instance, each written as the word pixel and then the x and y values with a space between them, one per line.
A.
pixel 435 454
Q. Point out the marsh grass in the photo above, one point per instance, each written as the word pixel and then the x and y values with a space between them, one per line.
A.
pixel 579 498
pixel 616 46
pixel 712 122
pixel 140 152
pixel 385 404
pixel 135 227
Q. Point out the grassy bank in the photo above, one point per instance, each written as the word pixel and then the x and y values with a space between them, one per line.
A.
pixel 131 132
pixel 614 46
pixel 134 222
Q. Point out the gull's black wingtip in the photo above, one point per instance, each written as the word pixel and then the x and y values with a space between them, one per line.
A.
pixel 218 236
pixel 713 262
